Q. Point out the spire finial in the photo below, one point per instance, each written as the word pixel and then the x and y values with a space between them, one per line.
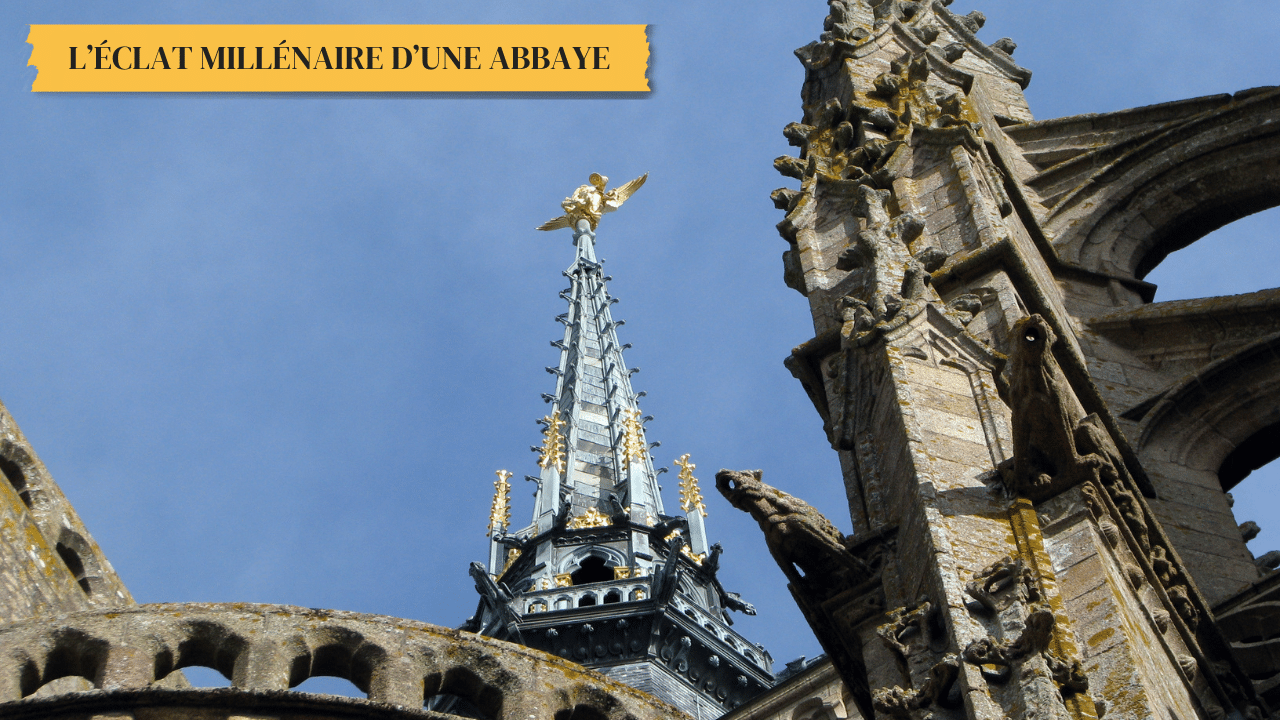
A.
pixel 500 512
pixel 690 493
pixel 632 435
pixel 590 201
pixel 552 444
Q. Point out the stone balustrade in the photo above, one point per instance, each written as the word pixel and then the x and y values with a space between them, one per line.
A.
pixel 600 593
pixel 265 649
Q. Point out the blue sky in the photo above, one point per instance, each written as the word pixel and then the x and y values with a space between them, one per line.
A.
pixel 274 348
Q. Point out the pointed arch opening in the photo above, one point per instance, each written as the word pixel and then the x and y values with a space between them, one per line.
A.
pixel 1239 257
pixel 592 570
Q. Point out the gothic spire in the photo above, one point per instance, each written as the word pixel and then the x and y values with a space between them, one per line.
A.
pixel 595 460
pixel 601 557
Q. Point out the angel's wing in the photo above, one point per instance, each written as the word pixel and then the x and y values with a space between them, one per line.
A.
pixel 615 197
pixel 555 224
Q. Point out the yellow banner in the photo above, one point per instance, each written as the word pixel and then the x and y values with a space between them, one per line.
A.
pixel 339 58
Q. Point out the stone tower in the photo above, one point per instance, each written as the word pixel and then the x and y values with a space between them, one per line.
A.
pixel 603 576
pixel 49 563
pixel 1036 454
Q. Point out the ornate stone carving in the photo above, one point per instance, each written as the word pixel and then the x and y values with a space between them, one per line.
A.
pixel 1034 638
pixel 1006 574
pixel 900 703
pixel 498 597
pixel 999 657
pixel 842 23
pixel 834 579
pixel 902 622
pixel 1049 423
pixel 1005 45
pixel 728 600
pixel 804 543
pixel 894 285
pixel 1249 530
pixel 1069 676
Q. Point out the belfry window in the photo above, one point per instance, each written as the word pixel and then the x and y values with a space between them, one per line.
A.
pixel 592 570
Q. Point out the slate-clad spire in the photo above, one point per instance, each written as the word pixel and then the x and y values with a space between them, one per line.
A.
pixel 605 454
pixel 602 575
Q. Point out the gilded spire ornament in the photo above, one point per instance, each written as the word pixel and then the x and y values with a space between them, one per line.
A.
pixel 500 512
pixel 632 435
pixel 552 443
pixel 592 518
pixel 589 202
pixel 690 493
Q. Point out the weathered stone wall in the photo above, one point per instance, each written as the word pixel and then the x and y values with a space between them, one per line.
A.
pixel 266 648
pixel 1031 449
pixel 48 561
pixel 1192 384
pixel 1134 655
pixel 209 705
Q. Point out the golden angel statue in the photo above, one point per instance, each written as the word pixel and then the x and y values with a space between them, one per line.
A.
pixel 589 202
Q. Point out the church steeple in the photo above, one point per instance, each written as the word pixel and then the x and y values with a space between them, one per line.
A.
pixel 594 455
pixel 602 575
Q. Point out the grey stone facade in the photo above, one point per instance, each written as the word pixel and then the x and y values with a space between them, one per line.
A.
pixel 1036 454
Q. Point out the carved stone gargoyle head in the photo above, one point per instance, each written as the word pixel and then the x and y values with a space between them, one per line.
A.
pixel 809 549
pixel 1033 336
pixel 1055 445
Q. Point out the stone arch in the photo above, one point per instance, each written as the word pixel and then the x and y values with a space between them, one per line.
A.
pixel 572 562
pixel 263 647
pixel 1200 422
pixel 20 675
pixel 1227 262
pixel 1173 187
pixel 208 644
pixel 1257 450
pixel 584 702
pixel 70 652
pixel 80 560
pixel 479 679
pixel 818 708
pixel 1183 443
pixel 580 712
pixel 341 652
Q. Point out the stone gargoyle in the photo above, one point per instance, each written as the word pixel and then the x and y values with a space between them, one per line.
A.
pixel 1054 442
pixel 808 548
